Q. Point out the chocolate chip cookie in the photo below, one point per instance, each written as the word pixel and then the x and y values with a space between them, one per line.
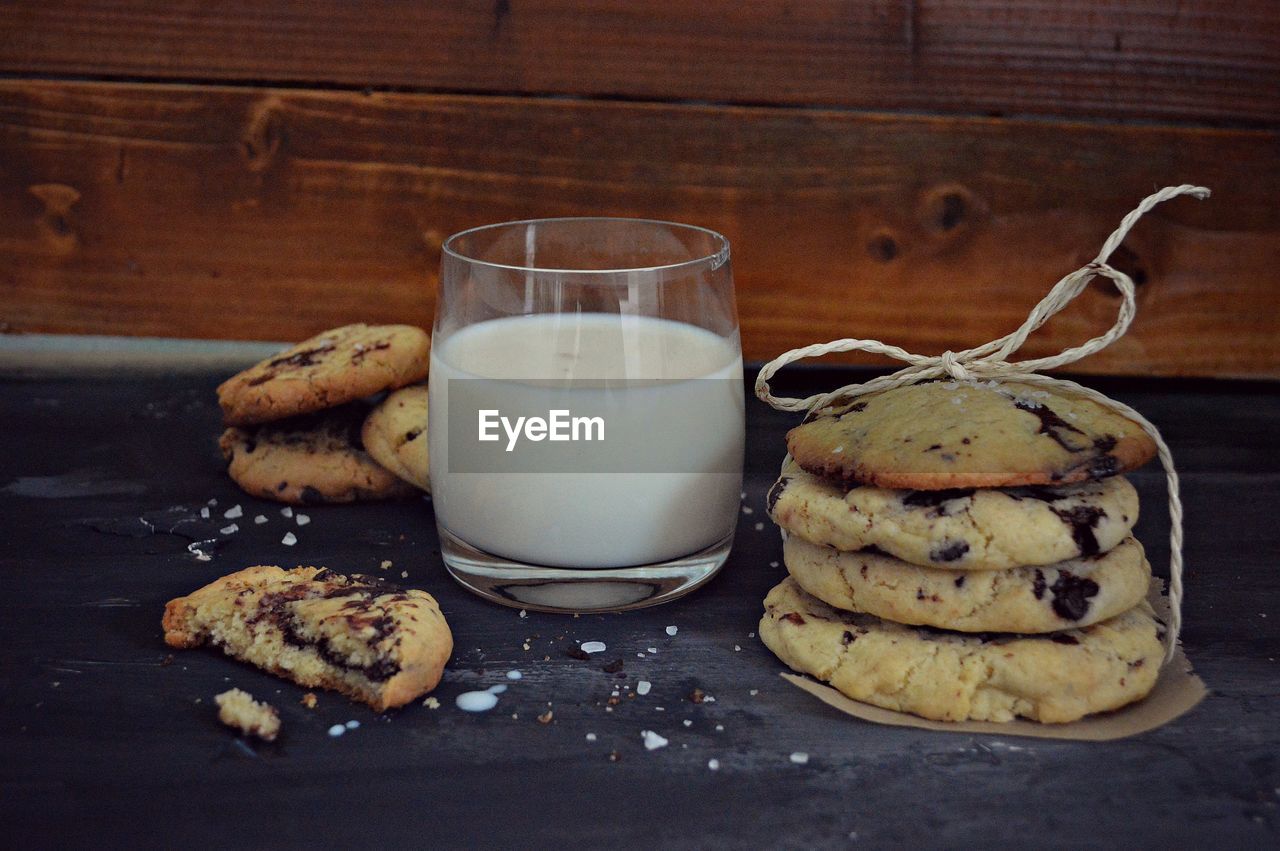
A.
pixel 325 371
pixel 308 460
pixel 358 635
pixel 950 676
pixel 961 528
pixel 1068 594
pixel 964 434
pixel 395 434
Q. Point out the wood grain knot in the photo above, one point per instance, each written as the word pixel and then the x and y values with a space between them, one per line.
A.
pixel 55 219
pixel 263 135
pixel 882 246
pixel 949 208
pixel 1124 259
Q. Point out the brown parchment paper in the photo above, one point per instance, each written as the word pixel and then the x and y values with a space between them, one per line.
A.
pixel 1177 691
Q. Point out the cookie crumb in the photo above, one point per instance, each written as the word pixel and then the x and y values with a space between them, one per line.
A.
pixel 166 661
pixel 614 756
pixel 431 703
pixel 309 700
pixel 652 741
pixel 385 564
pixel 404 574
pixel 238 709
pixel 545 718
pixel 697 696
pixel 289 539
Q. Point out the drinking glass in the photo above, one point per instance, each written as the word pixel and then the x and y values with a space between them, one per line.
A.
pixel 586 420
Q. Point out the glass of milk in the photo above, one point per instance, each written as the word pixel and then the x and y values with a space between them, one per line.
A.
pixel 586 411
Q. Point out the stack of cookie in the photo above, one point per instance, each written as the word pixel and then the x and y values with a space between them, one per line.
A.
pixel 302 427
pixel 962 550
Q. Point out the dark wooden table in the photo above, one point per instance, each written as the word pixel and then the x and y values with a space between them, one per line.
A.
pixel 107 742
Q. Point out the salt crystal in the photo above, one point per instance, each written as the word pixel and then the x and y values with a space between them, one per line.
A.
pixel 260 519
pixel 759 526
pixel 672 630
pixel 719 728
pixel 234 512
pixel 713 764
pixel 687 722
pixel 652 741
pixel 523 613
pixel 746 509
pixel 337 730
pixel 773 564
pixel 652 650
pixel 591 737
pixel 404 574
pixel 642 687
pixel 737 649
pixel 754 692
pixel 593 647
pixel 230 529
pixel 639 655
pixel 287 511
pixel 289 539
pixel 800 758
pixel 204 512
pixel 302 519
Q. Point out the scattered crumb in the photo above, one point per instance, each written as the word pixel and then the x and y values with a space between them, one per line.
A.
pixel 166 661
pixel 289 539
pixel 431 702
pixel 309 700
pixel 614 756
pixel 385 564
pixel 652 741
pixel 238 709
pixel 404 574
pixel 545 718
pixel 234 512
pixel 697 696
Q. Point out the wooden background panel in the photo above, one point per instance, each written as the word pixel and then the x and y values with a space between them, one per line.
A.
pixel 1195 60
pixel 271 214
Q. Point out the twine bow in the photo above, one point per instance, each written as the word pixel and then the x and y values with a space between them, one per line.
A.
pixel 990 361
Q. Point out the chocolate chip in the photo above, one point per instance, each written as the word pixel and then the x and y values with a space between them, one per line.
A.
pixel 775 493
pixel 1083 519
pixel 311 496
pixel 577 653
pixel 935 447
pixel 1071 595
pixel 936 499
pixel 1038 586
pixel 848 638
pixel 959 581
pixel 794 617
pixel 1050 424
pixel 949 551
pixel 613 667
pixel 306 357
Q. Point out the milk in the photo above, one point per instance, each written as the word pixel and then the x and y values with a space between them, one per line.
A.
pixel 562 516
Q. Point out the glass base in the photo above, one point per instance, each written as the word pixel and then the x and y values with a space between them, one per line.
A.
pixel 578 590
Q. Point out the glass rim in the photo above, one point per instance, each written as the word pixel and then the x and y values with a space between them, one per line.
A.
pixel 717 258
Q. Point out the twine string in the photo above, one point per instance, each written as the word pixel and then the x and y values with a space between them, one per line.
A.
pixel 990 361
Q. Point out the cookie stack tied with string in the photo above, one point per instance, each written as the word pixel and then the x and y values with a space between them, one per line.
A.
pixel 957 534
pixel 310 425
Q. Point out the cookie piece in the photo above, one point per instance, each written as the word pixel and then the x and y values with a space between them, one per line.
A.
pixel 964 434
pixel 395 434
pixel 950 676
pixel 238 709
pixel 1068 594
pixel 960 528
pixel 309 460
pixel 359 635
pixel 328 370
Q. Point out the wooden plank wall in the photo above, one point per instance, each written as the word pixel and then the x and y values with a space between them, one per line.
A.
pixel 917 171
